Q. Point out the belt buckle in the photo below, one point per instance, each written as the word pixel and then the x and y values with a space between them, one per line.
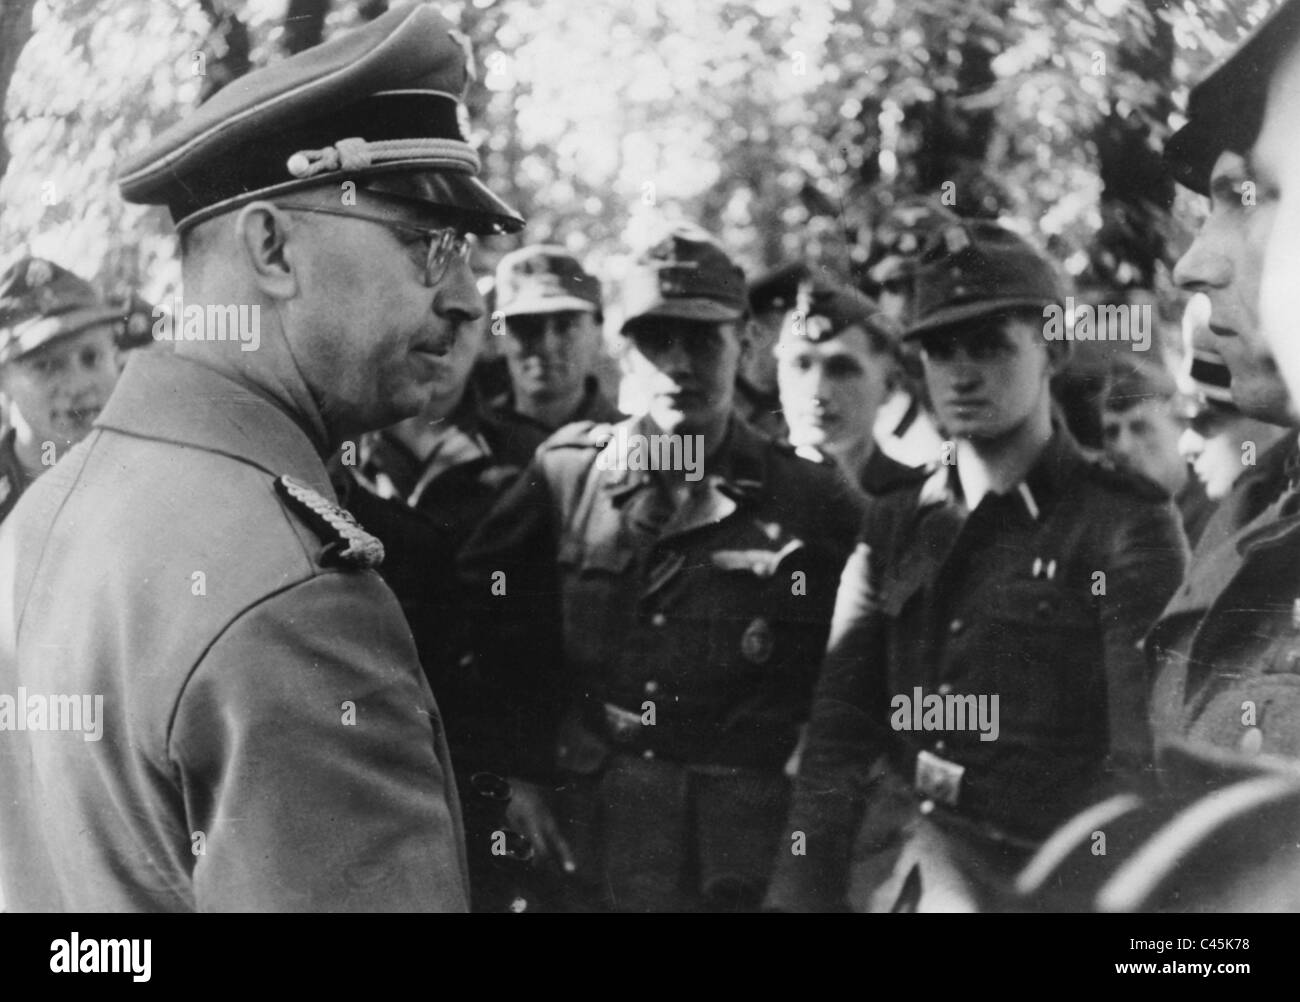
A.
pixel 937 778
pixel 623 725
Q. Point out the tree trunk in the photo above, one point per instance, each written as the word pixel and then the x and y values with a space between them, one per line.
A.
pixel 15 30
pixel 1136 190
pixel 304 24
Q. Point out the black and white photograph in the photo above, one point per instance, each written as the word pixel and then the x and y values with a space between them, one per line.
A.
pixel 651 456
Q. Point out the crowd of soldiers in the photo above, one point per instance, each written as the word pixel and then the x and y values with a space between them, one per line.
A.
pixel 839 615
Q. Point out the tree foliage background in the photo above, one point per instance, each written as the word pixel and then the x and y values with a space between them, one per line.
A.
pixel 784 126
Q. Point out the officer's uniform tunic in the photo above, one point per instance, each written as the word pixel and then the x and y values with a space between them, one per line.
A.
pixel 248 663
pixel 13 479
pixel 1038 598
pixel 1226 651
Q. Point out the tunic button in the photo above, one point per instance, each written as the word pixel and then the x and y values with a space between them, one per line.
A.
pixel 651 687
pixel 927 806
pixel 956 626
pixel 648 754
pixel 940 747
pixel 658 619
pixel 1044 609
pixel 945 688
pixel 1251 742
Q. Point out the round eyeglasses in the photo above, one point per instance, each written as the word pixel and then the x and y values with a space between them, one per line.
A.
pixel 445 242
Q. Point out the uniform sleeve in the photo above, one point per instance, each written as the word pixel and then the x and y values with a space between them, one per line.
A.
pixel 1146 560
pixel 307 746
pixel 844 739
pixel 509 573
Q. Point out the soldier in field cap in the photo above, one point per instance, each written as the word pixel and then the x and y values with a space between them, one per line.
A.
pixel 551 310
pixel 58 365
pixel 267 740
pixel 836 365
pixel 982 677
pixel 695 560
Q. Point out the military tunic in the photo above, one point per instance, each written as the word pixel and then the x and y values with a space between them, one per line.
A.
pixel 13 480
pixel 1226 651
pixel 514 437
pixel 268 741
pixel 673 694
pixel 1037 598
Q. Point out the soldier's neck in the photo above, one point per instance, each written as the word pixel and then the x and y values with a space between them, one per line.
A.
pixel 35 457
pixel 554 412
pixel 853 457
pixel 998 465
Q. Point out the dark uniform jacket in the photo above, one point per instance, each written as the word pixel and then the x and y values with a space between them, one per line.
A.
pixel 268 741
pixel 761 410
pixel 881 474
pixel 1005 601
pixel 1226 651
pixel 13 481
pixel 720 615
pixel 514 437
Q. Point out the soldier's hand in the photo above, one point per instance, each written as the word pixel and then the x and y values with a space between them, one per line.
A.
pixel 530 813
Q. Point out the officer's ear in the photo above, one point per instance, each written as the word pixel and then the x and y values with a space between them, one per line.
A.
pixel 1058 357
pixel 265 234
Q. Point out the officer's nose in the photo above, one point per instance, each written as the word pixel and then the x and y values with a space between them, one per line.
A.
pixel 676 360
pixel 1204 265
pixel 456 296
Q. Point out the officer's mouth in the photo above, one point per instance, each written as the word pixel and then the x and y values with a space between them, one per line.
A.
pixel 1220 331
pixel 436 349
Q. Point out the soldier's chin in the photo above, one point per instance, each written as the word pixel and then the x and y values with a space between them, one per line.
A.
pixel 808 435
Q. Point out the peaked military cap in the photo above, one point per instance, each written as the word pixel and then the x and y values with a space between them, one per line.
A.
pixel 685 275
pixel 1226 110
pixel 978 269
pixel 824 312
pixel 41 301
pixel 544 278
pixel 380 106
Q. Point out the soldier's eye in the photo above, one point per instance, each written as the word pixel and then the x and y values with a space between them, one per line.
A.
pixel 843 368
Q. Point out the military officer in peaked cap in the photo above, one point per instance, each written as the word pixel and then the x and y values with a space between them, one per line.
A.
pixel 1226 651
pixel 982 674
pixel 58 365
pixel 267 739
pixel 693 602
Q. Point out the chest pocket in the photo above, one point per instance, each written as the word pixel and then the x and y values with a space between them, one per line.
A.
pixel 598 596
pixel 1046 643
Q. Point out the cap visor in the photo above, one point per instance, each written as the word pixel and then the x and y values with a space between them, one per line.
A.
pixel 690 309
pixel 51 329
pixel 449 192
pixel 956 315
pixel 547 304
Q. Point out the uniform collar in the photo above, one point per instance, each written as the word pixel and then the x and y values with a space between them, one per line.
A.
pixel 169 398
pixel 1048 477
pixel 736 470
pixel 592 407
